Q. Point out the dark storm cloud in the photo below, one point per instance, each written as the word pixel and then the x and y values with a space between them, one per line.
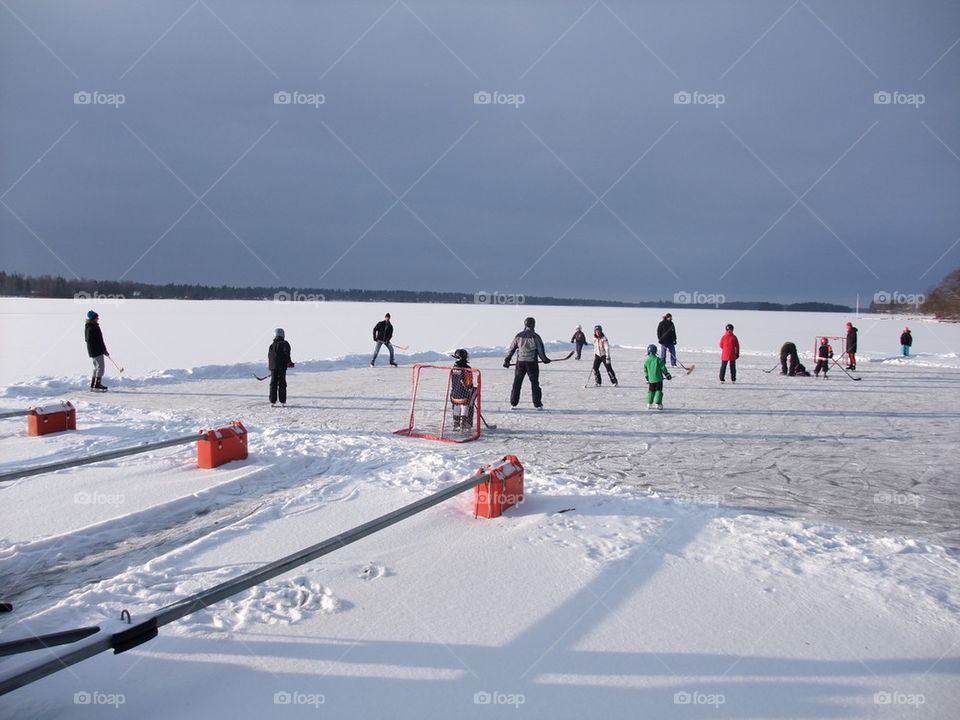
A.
pixel 634 150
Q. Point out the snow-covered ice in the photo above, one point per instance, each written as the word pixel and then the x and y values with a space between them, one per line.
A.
pixel 782 547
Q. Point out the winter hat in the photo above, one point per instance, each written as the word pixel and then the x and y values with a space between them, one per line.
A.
pixel 387 316
pixel 849 324
pixel 91 315
pixel 906 329
pixel 651 349
pixel 278 332
pixel 460 354
pixel 530 322
pixel 730 327
pixel 598 327
pixel 668 316
pixel 579 327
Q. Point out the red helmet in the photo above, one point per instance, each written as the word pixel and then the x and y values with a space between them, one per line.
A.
pixel 823 341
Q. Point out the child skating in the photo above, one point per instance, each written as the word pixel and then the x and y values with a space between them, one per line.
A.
pixel 655 370
pixel 601 355
pixel 824 355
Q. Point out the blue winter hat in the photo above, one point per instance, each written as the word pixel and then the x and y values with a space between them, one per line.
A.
pixel 91 315
pixel 651 349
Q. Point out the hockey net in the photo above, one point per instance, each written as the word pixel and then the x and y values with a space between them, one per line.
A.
pixel 444 404
pixel 837 342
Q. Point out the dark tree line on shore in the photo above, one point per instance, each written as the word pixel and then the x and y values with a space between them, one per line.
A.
pixel 49 286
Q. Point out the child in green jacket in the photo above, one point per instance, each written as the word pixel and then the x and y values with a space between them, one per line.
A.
pixel 655 370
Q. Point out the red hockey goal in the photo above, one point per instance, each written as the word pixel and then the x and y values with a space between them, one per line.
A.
pixel 444 404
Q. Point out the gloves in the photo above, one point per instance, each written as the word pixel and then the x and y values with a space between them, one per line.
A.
pixel 291 364
pixel 506 363
pixel 547 361
pixel 668 376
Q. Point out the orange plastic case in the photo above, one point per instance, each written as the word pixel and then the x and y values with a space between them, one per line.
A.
pixel 52 419
pixel 504 489
pixel 222 445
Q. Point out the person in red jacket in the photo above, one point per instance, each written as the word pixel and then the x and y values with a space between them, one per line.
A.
pixel 729 352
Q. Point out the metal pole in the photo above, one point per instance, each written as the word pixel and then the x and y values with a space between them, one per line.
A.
pixel 15 413
pixel 147 629
pixel 63 464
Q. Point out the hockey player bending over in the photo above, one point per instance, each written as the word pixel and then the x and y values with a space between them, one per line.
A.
pixel 788 353
pixel 463 393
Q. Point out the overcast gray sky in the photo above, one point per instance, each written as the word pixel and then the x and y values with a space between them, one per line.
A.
pixel 635 150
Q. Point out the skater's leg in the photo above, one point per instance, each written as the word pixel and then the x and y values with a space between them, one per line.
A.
pixel 610 373
pixel 390 348
pixel 723 370
pixel 596 368
pixel 376 351
pixel 533 371
pixel 733 371
pixel 518 374
pixel 282 386
pixel 673 355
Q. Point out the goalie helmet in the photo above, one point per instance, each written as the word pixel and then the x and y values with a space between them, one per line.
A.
pixel 461 354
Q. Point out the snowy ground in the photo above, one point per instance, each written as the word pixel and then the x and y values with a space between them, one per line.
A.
pixel 781 547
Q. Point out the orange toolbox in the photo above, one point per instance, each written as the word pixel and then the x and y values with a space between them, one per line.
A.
pixel 504 489
pixel 52 419
pixel 217 447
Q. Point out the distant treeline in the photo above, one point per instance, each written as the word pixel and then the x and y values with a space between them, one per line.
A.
pixel 48 286
pixel 943 301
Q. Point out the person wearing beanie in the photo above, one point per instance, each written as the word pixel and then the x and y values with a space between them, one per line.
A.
pixel 906 341
pixel 382 332
pixel 529 348
pixel 96 349
pixel 278 357
pixel 667 337
pixel 463 392
pixel 655 370
pixel 579 340
pixel 851 346
pixel 729 354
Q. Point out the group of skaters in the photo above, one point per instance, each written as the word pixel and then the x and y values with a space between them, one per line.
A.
pixel 528 346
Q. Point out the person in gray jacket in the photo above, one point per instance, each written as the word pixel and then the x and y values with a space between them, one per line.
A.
pixel 529 348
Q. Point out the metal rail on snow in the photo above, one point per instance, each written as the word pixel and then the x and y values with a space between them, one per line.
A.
pixel 148 629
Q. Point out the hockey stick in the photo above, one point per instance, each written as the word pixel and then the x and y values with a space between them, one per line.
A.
pixel 261 379
pixel 772 369
pixel 115 364
pixel 488 425
pixel 402 347
pixel 845 370
pixel 688 369
pixel 553 360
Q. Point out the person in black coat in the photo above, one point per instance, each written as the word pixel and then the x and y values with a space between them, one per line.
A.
pixel 851 346
pixel 667 337
pixel 579 340
pixel 278 356
pixel 788 352
pixel 96 349
pixel 906 341
pixel 382 332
